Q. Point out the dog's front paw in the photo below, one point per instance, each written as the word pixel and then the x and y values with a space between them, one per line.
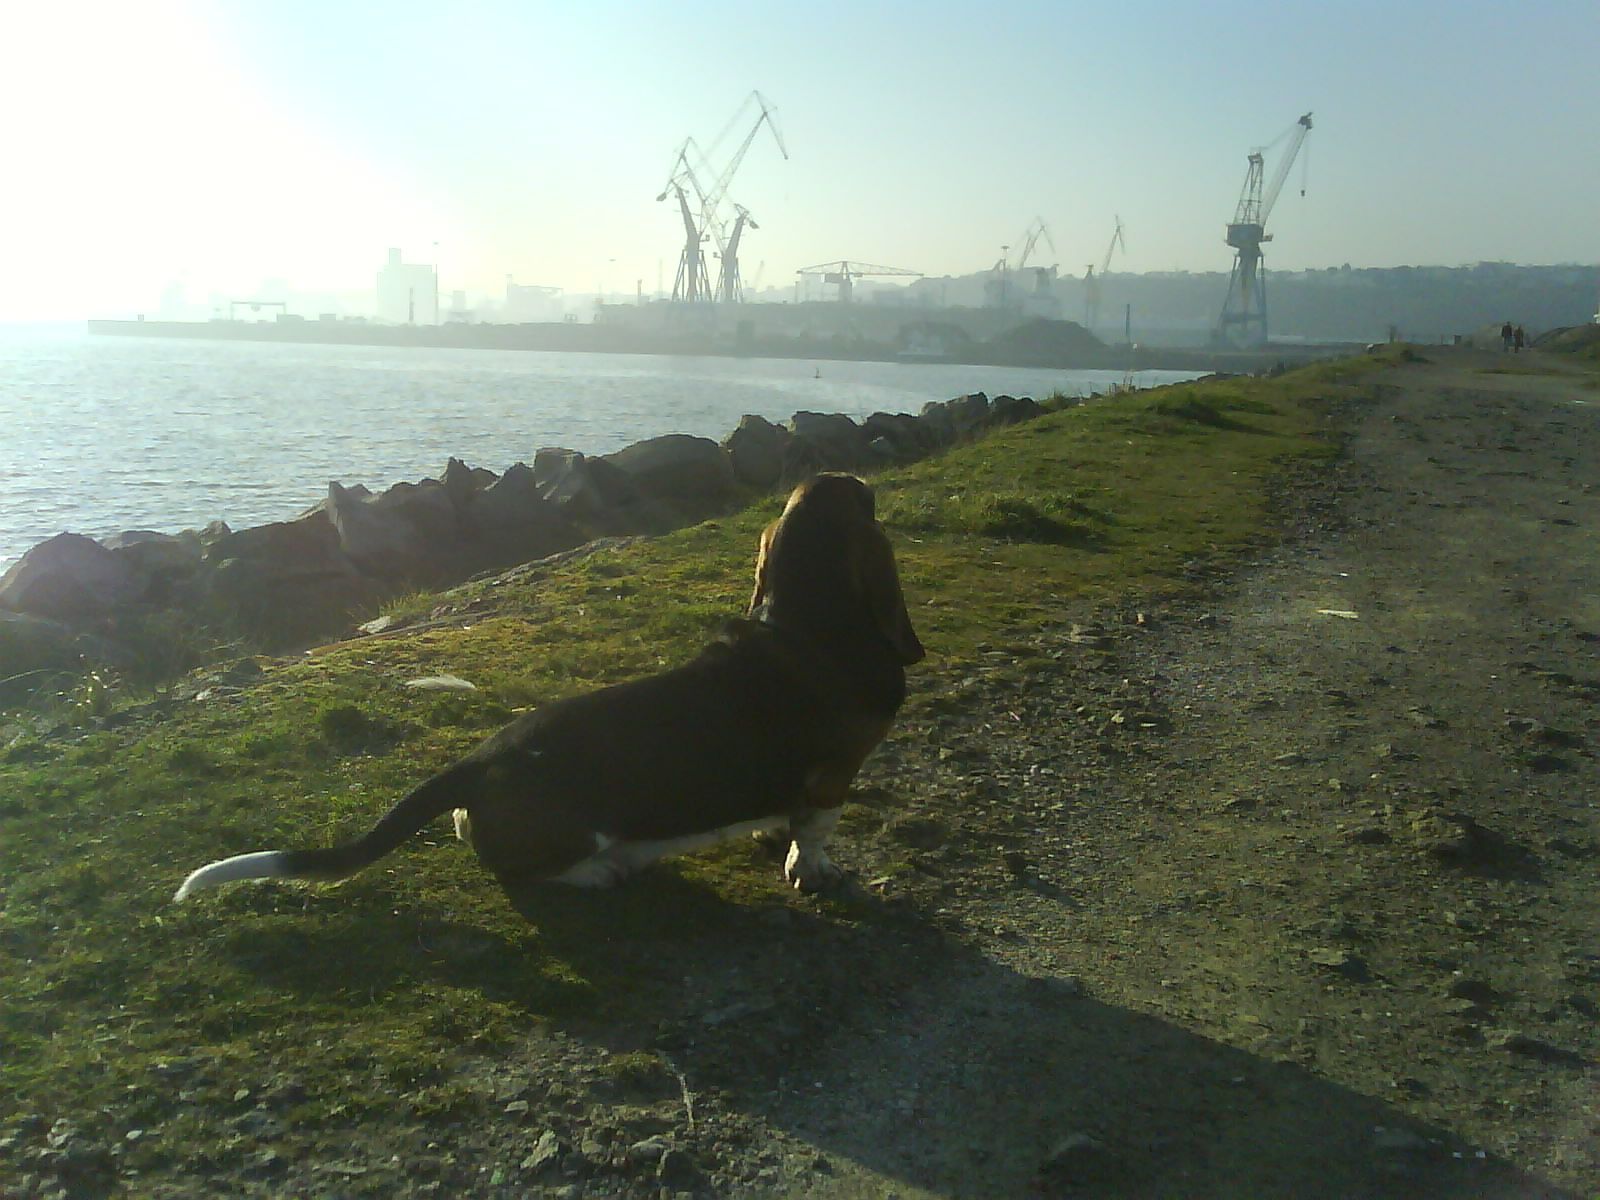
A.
pixel 814 872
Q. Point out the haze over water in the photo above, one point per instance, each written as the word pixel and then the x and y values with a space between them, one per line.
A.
pixel 100 435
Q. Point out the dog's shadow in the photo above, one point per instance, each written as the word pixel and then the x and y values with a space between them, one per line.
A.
pixel 953 1065
pixel 588 958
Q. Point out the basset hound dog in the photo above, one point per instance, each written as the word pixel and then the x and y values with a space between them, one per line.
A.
pixel 762 732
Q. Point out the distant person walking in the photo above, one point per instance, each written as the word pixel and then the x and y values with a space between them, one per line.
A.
pixel 1506 334
pixel 1518 340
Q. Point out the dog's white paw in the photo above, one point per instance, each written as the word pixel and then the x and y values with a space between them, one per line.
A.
pixel 598 871
pixel 813 872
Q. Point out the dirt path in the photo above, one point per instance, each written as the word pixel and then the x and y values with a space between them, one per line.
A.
pixel 1294 895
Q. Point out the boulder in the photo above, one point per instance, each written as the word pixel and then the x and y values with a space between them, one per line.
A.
pixel 158 553
pixel 938 426
pixel 801 461
pixel 597 495
pixel 424 505
pixel 755 451
pixel 837 440
pixel 898 437
pixel 510 521
pixel 378 542
pixel 956 420
pixel 1012 410
pixel 286 607
pixel 462 482
pixel 512 499
pixel 288 582
pixel 32 649
pixel 70 578
pixel 307 546
pixel 692 474
pixel 969 413
pixel 407 533
pixel 166 564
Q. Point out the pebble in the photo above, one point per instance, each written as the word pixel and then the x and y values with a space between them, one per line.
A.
pixel 1445 835
pixel 1351 966
pixel 545 1152
pixel 649 1151
pixel 1366 835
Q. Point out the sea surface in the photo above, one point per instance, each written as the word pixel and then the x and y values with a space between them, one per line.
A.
pixel 104 434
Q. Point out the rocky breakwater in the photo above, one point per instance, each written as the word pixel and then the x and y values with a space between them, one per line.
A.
pixel 151 604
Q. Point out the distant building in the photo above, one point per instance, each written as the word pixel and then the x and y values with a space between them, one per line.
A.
pixel 531 303
pixel 408 293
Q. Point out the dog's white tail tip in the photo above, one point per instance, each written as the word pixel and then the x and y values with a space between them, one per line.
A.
pixel 264 864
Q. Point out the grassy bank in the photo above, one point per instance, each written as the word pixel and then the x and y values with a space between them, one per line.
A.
pixel 366 994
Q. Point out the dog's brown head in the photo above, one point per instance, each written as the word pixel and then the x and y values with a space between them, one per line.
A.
pixel 826 564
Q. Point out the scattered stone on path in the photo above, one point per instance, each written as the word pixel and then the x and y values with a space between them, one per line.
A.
pixel 546 1152
pixel 1339 961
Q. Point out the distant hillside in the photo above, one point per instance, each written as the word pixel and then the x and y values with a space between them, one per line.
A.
pixel 1043 341
pixel 1582 340
pixel 1339 303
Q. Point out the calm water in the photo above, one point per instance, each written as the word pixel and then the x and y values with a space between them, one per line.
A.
pixel 102 434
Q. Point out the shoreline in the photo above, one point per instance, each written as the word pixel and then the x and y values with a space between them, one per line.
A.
pixel 602 339
pixel 648 396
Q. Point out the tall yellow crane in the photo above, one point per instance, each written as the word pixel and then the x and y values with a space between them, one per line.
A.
pixel 1244 312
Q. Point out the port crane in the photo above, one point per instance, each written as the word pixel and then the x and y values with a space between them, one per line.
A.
pixel 730 288
pixel 1091 284
pixel 691 285
pixel 1030 239
pixel 1245 308
pixel 997 290
pixel 692 170
pixel 844 272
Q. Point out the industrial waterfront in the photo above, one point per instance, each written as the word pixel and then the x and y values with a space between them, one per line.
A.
pixel 107 434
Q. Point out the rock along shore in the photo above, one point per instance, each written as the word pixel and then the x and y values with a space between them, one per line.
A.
pixel 132 601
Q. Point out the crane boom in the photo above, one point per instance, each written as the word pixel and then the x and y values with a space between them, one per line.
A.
pixel 1116 240
pixel 1030 238
pixel 1270 197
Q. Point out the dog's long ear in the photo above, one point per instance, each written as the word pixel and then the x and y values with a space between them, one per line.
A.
pixel 879 582
pixel 760 593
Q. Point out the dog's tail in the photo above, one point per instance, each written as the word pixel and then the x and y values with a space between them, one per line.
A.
pixel 427 801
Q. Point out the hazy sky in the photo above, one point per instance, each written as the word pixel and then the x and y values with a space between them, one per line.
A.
pixel 222 144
